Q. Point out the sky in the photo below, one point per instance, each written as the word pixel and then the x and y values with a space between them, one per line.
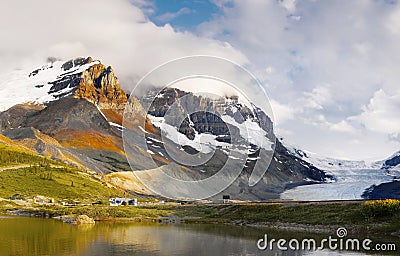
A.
pixel 330 68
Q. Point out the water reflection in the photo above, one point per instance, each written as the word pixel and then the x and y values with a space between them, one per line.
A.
pixel 31 236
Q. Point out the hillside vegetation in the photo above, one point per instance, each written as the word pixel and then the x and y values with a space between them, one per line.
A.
pixel 36 175
pixel 13 156
pixel 61 183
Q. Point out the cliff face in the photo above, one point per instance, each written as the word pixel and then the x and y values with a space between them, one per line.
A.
pixel 393 161
pixel 99 85
pixel 203 114
pixel 224 117
pixel 78 101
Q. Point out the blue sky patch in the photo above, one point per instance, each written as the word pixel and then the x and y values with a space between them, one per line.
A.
pixel 182 15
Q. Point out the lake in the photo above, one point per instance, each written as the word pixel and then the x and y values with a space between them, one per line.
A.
pixel 37 236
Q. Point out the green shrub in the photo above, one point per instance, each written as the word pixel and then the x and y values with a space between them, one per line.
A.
pixel 380 208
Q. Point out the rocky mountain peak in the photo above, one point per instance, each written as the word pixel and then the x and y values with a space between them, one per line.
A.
pixel 76 62
pixel 393 161
pixel 80 78
pixel 99 85
pixel 76 109
pixel 209 119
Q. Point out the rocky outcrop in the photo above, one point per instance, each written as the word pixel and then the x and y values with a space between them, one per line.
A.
pixel 16 115
pixel 77 220
pixel 383 191
pixel 68 114
pixel 393 161
pixel 76 62
pixel 203 113
pixel 99 85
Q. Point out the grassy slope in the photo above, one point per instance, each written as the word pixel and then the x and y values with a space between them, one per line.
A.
pixel 59 183
pixel 46 177
pixel 12 155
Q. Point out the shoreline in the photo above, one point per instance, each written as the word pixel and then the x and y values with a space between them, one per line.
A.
pixel 278 226
pixel 311 218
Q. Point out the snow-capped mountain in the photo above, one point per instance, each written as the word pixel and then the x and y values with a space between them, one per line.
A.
pixel 37 86
pixel 77 117
pixel 333 164
pixel 353 179
pixel 80 77
pixel 329 163
pixel 213 124
pixel 203 130
pixel 392 162
pixel 75 105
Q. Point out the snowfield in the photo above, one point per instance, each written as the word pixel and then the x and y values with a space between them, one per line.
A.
pixel 350 185
pixel 33 84
pixel 250 131
pixel 328 163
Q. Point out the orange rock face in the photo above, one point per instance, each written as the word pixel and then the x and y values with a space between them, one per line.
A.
pixel 100 86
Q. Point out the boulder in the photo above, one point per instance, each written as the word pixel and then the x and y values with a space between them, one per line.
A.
pixel 77 219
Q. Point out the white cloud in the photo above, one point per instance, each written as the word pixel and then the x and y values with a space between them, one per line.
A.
pixel 148 7
pixel 382 113
pixel 282 133
pixel 321 61
pixel 290 5
pixel 116 32
pixel 269 70
pixel 168 16
pixel 320 122
pixel 282 112
pixel 221 3
pixel 394 137
pixel 327 61
pixel 343 126
pixel 318 97
pixel 363 48
pixel 393 23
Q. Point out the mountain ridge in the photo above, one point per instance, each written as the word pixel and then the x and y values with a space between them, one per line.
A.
pixel 334 164
pixel 82 110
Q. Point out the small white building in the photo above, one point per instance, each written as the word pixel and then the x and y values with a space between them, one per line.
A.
pixel 118 201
